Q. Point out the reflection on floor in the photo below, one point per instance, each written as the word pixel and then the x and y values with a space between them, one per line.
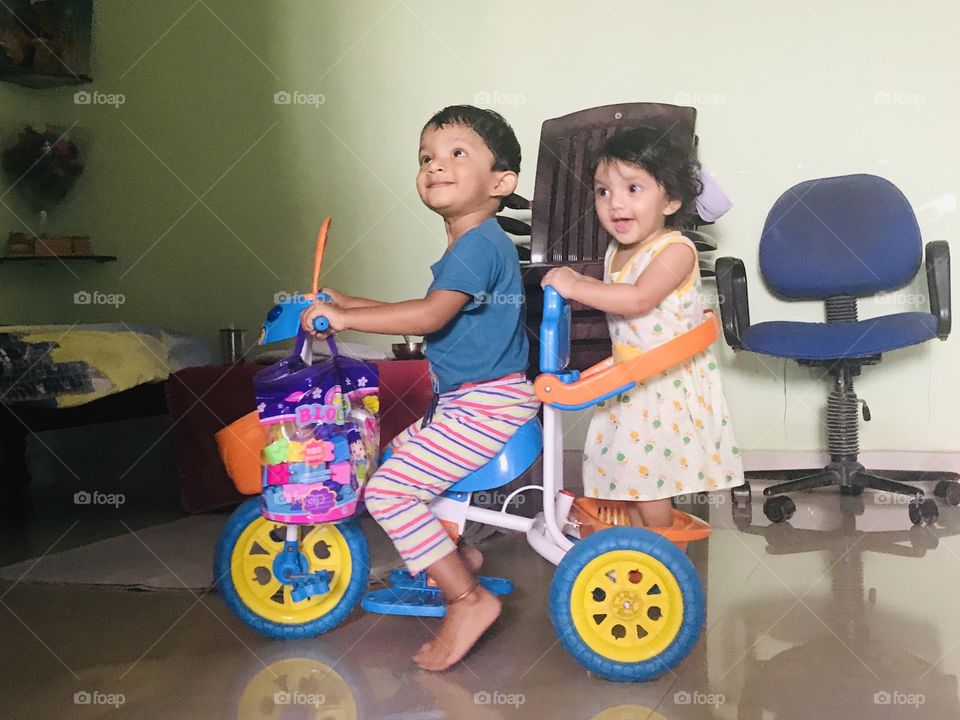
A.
pixel 846 612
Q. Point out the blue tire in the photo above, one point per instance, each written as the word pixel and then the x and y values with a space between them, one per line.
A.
pixel 243 572
pixel 610 621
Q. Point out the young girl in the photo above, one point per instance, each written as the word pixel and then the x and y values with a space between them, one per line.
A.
pixel 671 434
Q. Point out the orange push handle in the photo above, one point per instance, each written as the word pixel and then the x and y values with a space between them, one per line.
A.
pixel 318 253
pixel 608 377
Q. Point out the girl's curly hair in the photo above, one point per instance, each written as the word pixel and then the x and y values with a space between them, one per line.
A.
pixel 674 167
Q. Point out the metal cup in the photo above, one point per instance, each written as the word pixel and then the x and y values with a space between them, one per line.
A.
pixel 232 344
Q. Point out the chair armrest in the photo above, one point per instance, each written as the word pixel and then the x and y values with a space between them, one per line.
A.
pixel 732 296
pixel 701 240
pixel 516 202
pixel 513 226
pixel 938 284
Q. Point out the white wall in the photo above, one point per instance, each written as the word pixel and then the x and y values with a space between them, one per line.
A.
pixel 785 92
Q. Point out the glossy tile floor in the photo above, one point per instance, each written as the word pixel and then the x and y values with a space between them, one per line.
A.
pixel 845 613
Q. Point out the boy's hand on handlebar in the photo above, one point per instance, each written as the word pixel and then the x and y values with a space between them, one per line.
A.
pixel 338 297
pixel 562 279
pixel 332 312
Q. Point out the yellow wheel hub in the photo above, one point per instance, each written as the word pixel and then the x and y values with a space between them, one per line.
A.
pixel 626 606
pixel 251 568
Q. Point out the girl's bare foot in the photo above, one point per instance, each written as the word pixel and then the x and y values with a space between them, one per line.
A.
pixel 466 620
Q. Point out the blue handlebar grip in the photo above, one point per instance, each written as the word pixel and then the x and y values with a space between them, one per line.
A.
pixel 320 323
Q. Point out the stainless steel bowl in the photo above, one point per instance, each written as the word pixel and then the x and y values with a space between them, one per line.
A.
pixel 408 350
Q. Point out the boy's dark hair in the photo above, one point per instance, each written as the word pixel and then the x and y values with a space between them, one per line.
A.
pixel 674 167
pixel 495 132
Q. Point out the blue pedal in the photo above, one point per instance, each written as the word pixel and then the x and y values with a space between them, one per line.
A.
pixel 316 583
pixel 411 595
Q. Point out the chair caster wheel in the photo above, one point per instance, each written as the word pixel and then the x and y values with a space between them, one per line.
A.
pixel 779 508
pixel 924 512
pixel 921 539
pixel 851 490
pixel 742 516
pixel 949 491
pixel 741 496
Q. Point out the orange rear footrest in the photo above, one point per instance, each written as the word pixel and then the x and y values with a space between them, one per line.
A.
pixel 594 514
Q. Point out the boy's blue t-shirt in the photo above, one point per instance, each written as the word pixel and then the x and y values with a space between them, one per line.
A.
pixel 486 339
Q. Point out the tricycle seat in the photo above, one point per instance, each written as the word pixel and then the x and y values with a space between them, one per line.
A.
pixel 513 460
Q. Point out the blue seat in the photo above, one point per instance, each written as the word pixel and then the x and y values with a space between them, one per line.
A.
pixel 824 341
pixel 514 459
pixel 836 240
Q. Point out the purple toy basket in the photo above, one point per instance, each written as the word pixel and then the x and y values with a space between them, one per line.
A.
pixel 323 435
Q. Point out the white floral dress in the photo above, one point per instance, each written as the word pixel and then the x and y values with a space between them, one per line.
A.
pixel 671 434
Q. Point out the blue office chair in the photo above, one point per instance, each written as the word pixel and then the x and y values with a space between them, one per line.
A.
pixel 838 239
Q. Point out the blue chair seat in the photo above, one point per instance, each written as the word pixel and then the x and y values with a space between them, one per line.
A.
pixel 830 341
pixel 513 460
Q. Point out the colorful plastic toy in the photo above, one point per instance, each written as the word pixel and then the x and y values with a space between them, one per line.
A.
pixel 626 602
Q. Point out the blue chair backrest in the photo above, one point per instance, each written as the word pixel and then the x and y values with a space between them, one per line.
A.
pixel 554 332
pixel 849 235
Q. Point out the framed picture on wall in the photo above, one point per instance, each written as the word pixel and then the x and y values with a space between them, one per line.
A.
pixel 45 43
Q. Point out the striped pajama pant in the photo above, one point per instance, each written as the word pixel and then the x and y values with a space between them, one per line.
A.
pixel 470 425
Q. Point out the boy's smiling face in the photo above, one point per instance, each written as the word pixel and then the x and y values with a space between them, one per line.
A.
pixel 456 175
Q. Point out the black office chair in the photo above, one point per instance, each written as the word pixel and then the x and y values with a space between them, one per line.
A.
pixel 838 239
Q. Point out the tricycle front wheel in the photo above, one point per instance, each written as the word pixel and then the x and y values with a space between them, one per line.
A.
pixel 244 564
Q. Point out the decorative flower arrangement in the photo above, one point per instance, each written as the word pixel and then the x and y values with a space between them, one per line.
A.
pixel 43 164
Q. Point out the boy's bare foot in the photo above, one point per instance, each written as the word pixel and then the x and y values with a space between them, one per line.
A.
pixel 466 620
pixel 472 558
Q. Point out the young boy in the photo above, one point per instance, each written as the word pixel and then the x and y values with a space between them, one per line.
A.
pixel 473 321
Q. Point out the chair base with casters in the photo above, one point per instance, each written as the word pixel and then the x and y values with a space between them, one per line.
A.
pixel 844 470
pixel 843 344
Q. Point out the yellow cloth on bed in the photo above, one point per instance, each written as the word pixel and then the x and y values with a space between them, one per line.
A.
pixel 117 361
